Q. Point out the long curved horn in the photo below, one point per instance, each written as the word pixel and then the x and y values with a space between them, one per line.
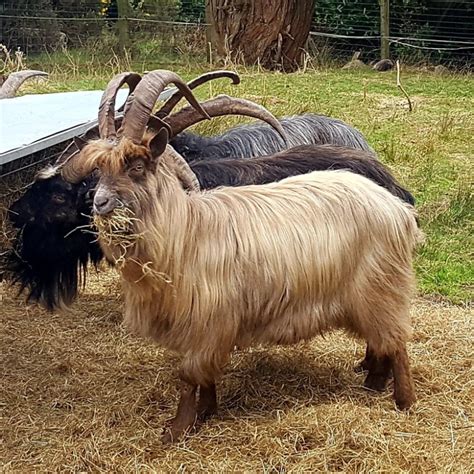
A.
pixel 140 103
pixel 171 103
pixel 107 103
pixel 223 105
pixel 15 80
pixel 183 171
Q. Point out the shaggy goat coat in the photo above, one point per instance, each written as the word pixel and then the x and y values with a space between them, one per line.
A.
pixel 277 264
pixel 257 139
pixel 298 160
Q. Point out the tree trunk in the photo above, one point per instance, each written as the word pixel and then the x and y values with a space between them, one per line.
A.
pixel 272 32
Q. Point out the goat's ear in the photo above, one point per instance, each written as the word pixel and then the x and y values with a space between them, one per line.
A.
pixel 158 143
pixel 80 142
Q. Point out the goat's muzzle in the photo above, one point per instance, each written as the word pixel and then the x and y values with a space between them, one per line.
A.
pixel 105 201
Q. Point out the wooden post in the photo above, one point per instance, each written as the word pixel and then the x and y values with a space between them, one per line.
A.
pixel 122 25
pixel 384 29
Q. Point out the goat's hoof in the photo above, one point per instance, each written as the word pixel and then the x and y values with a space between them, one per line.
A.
pixel 376 382
pixel 176 428
pixel 171 434
pixel 404 403
pixel 167 437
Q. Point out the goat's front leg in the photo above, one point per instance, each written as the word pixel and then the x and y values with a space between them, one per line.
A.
pixel 186 414
pixel 207 405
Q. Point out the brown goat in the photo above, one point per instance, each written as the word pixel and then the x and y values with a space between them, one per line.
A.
pixel 270 264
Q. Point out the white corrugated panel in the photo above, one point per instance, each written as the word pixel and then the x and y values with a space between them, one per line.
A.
pixel 34 122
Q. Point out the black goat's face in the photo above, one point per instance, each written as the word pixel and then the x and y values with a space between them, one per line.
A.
pixel 85 194
pixel 54 244
pixel 188 146
pixel 53 201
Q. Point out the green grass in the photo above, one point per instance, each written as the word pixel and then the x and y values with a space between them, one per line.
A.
pixel 429 149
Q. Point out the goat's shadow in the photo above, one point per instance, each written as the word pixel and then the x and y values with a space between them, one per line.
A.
pixel 269 381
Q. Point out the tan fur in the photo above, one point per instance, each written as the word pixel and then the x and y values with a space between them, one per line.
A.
pixel 271 264
pixel 47 173
pixel 108 157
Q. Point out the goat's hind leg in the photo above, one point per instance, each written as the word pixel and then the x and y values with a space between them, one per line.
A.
pixel 386 337
pixel 380 369
pixel 403 387
pixel 207 405
pixel 186 414
pixel 364 364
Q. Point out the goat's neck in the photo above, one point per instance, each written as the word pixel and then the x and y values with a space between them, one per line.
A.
pixel 162 227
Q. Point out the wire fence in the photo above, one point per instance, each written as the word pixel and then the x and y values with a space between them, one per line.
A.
pixel 419 31
pixel 437 31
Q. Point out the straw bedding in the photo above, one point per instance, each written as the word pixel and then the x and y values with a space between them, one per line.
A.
pixel 79 394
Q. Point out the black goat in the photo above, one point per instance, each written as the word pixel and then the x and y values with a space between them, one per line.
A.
pixel 298 160
pixel 53 246
pixel 257 139
pixel 57 240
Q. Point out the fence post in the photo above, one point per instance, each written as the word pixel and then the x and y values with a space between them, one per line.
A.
pixel 122 24
pixel 384 29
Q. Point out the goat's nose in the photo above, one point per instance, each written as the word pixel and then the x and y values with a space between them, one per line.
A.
pixel 103 204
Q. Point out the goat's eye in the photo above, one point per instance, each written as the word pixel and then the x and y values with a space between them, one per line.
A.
pixel 137 169
pixel 58 199
pixel 84 183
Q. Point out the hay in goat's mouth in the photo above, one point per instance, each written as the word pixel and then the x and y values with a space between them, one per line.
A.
pixel 117 231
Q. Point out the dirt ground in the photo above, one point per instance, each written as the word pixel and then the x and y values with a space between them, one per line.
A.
pixel 79 394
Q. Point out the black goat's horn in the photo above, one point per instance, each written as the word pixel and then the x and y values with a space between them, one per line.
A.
pixel 171 103
pixel 223 105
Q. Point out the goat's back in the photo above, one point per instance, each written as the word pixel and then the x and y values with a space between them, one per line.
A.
pixel 314 209
pixel 258 139
pixel 306 129
pixel 297 160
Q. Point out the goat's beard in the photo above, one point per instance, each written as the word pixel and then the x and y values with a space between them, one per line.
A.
pixel 49 265
pixel 117 233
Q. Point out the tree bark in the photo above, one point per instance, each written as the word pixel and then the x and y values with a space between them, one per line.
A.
pixel 271 32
